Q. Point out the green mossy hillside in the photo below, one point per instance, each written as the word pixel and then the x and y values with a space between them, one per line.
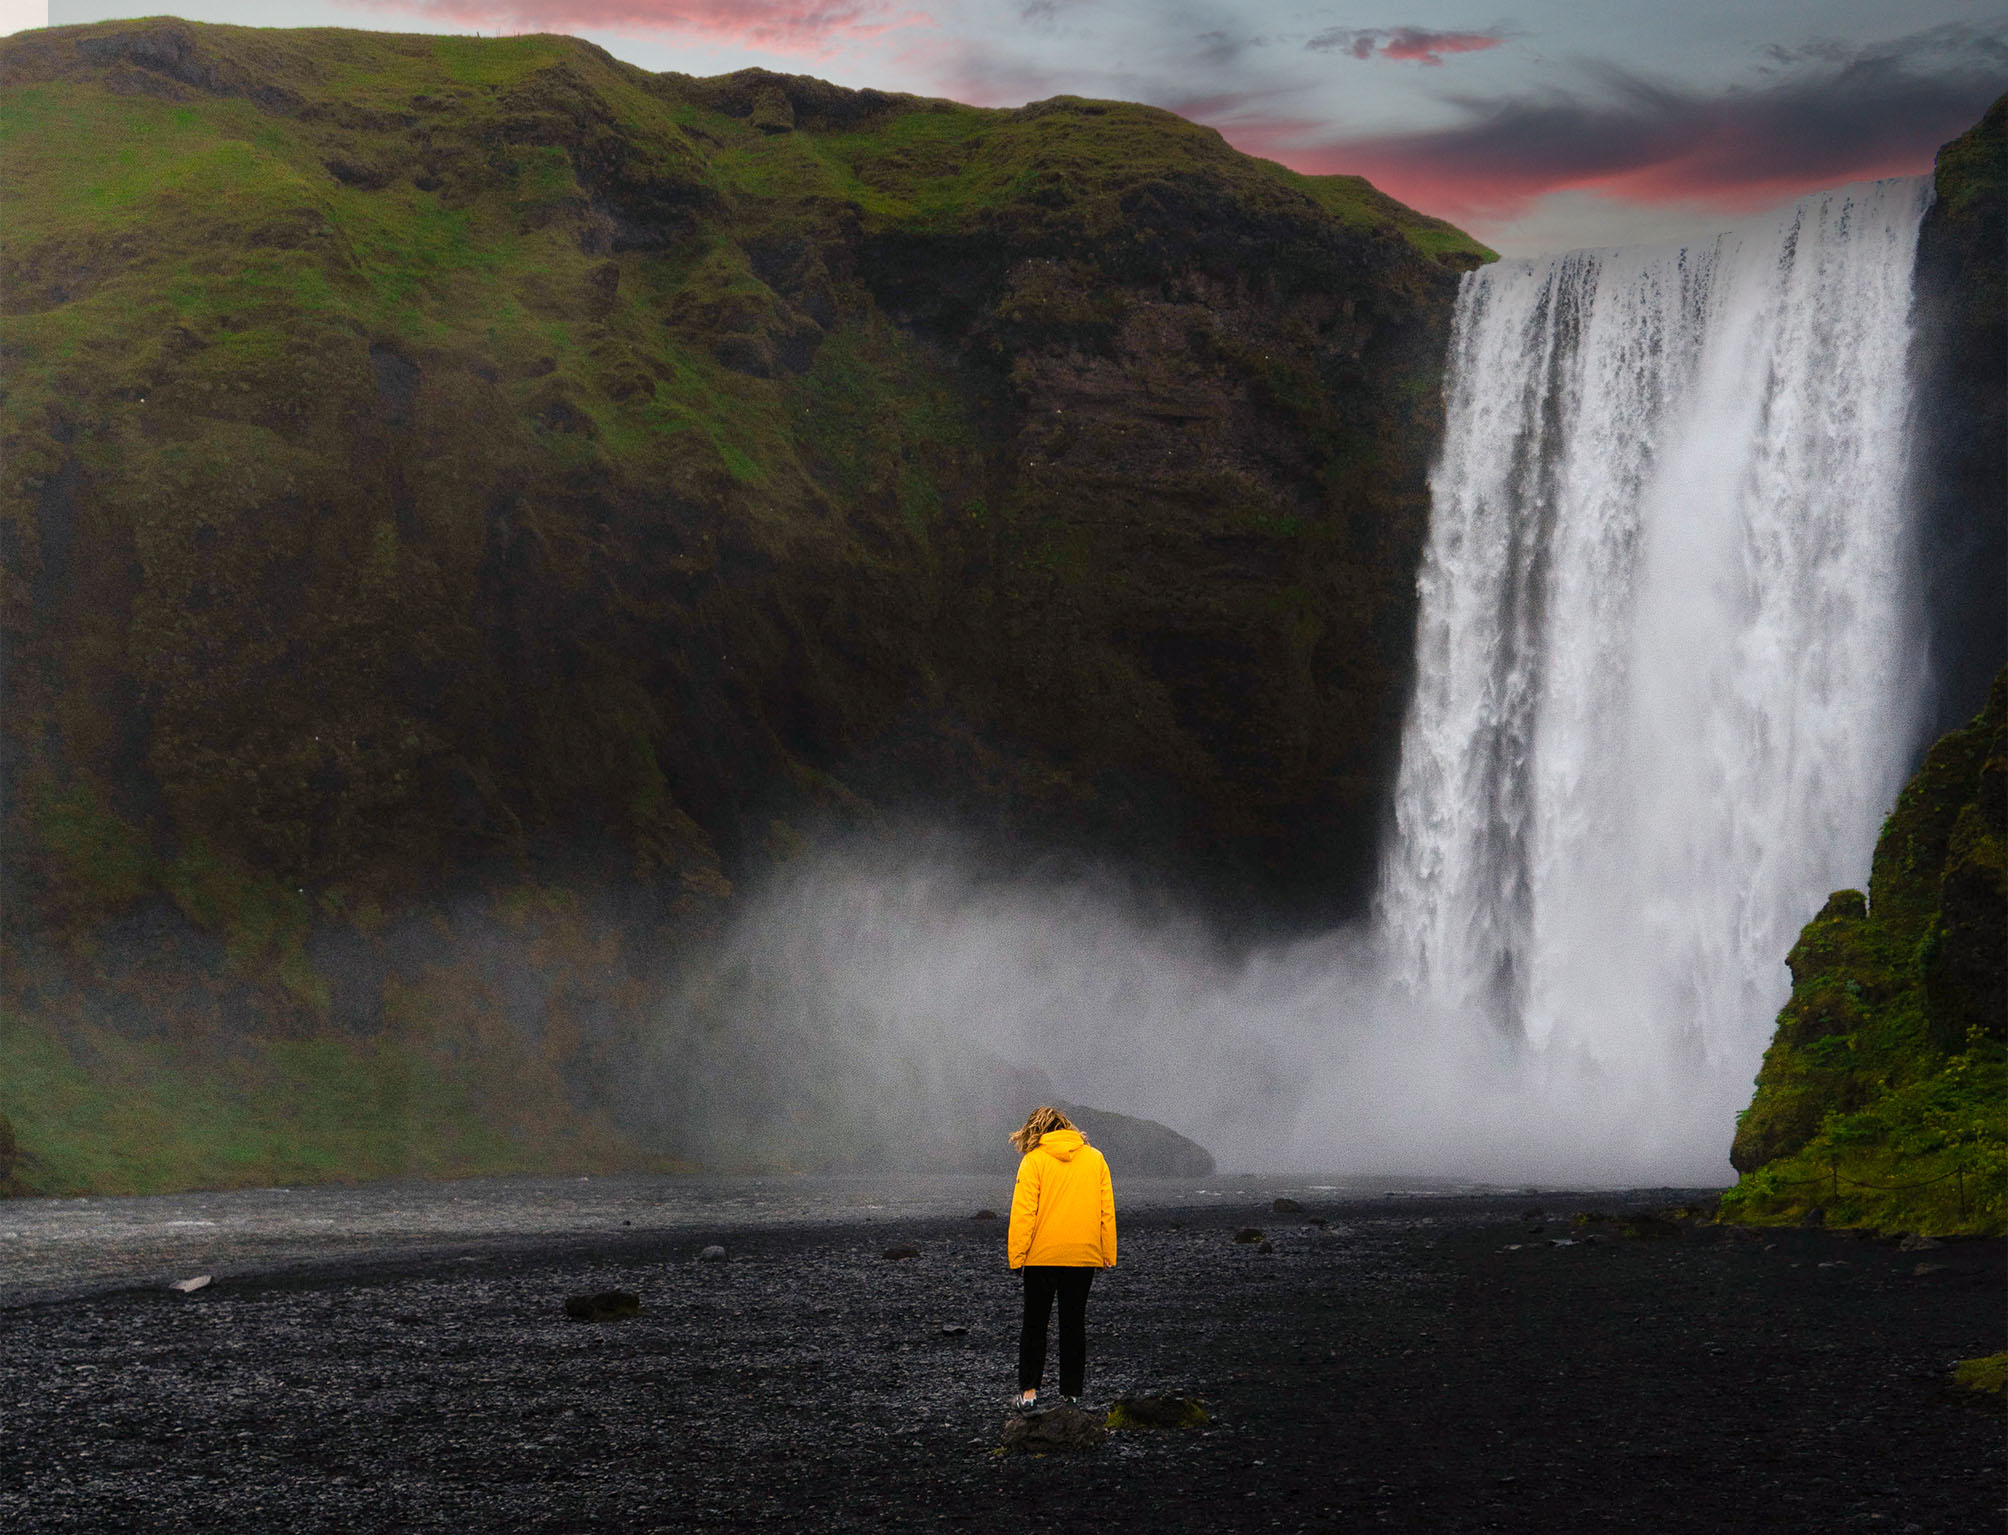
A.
pixel 438 468
pixel 1883 1099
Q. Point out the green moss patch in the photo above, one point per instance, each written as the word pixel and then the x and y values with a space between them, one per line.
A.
pixel 1985 1378
pixel 100 1113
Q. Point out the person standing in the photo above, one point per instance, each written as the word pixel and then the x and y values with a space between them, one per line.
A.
pixel 1063 1228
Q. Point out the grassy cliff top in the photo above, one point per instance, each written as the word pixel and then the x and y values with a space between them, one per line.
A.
pixel 254 114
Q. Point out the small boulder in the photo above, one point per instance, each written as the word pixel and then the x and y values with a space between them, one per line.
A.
pixel 1916 1242
pixel 1063 1429
pixel 1157 1412
pixel 190 1286
pixel 1265 1246
pixel 954 1330
pixel 712 1254
pixel 1315 1220
pixel 1248 1234
pixel 604 1306
pixel 905 1250
pixel 984 1215
pixel 1286 1206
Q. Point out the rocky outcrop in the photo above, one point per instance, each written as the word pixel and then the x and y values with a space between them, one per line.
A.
pixel 1141 1147
pixel 1883 1099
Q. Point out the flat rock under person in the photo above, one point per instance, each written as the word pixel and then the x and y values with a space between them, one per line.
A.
pixel 1063 1228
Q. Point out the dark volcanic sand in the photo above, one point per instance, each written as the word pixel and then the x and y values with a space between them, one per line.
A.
pixel 1401 1372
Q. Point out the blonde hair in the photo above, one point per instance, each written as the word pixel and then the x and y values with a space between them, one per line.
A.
pixel 1041 1121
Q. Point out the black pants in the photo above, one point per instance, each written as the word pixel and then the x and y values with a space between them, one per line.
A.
pixel 1041 1285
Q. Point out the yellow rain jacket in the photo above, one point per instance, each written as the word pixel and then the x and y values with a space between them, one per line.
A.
pixel 1063 1211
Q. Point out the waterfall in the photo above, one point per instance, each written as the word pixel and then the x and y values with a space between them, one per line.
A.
pixel 1667 675
pixel 1667 684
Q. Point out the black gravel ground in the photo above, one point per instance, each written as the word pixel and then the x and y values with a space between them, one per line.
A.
pixel 1409 1368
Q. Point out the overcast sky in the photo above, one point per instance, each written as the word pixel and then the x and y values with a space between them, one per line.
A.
pixel 1552 124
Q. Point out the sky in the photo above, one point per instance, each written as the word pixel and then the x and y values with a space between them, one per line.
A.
pixel 1550 125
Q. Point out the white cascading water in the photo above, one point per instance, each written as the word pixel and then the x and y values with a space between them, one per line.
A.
pixel 1666 672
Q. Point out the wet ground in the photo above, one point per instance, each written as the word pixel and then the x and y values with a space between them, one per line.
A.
pixel 1427 1363
pixel 55 1247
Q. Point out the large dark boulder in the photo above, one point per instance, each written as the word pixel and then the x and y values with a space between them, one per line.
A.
pixel 1141 1147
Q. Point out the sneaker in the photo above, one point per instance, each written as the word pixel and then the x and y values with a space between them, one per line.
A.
pixel 1021 1404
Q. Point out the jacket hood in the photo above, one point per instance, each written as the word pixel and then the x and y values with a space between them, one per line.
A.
pixel 1062 1143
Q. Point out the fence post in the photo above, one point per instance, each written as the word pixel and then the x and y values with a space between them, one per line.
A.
pixel 1961 1171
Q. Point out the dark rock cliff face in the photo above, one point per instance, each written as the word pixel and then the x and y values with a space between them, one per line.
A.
pixel 468 505
pixel 1961 451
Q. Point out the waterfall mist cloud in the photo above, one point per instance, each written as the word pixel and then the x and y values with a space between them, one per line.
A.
pixel 872 982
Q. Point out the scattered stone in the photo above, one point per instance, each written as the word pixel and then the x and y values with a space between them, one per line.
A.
pixel 1286 1206
pixel 1064 1429
pixel 954 1330
pixel 190 1286
pixel 1315 1220
pixel 907 1250
pixel 1157 1412
pixel 984 1215
pixel 1510 1247
pixel 1532 1215
pixel 1265 1246
pixel 1924 1270
pixel 605 1306
pixel 1917 1242
pixel 1248 1234
pixel 712 1254
pixel 1837 1263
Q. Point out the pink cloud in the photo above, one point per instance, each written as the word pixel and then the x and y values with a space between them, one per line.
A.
pixel 1881 112
pixel 779 26
pixel 1417 45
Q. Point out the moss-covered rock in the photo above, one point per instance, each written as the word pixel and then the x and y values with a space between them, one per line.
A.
pixel 1883 1099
